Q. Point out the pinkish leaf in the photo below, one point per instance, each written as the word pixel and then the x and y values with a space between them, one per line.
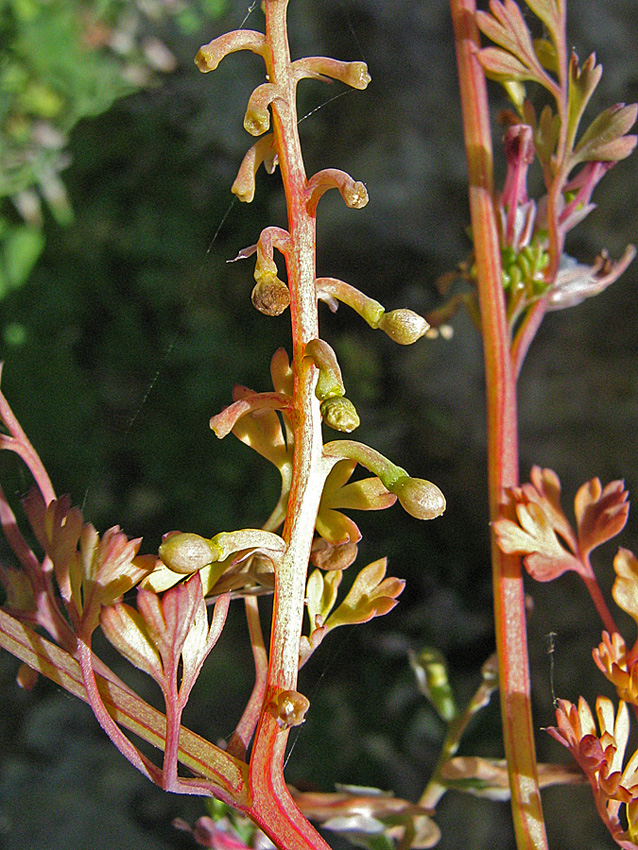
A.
pixel 168 619
pixel 248 403
pixel 501 66
pixel 535 538
pixel 126 630
pixel 227 775
pixel 546 492
pixel 603 139
pixel 600 513
pixel 57 527
pixel 201 639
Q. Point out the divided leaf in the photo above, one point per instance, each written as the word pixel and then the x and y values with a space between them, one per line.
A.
pixel 582 84
pixel 167 636
pixel 371 595
pixel 605 140
pixel 535 538
pixel 544 536
pixel 600 513
pixel 547 11
pixel 97 574
pixel 506 27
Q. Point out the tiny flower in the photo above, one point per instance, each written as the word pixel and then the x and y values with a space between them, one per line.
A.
pixel 577 281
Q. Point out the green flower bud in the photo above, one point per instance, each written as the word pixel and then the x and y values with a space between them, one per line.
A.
pixel 339 413
pixel 403 326
pixel 270 295
pixel 187 553
pixel 357 75
pixel 421 499
pixel 256 120
pixel 430 669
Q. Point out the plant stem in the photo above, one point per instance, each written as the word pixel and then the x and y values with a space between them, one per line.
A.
pixel 509 602
pixel 273 806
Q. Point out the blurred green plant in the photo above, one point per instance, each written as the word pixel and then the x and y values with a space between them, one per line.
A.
pixel 63 61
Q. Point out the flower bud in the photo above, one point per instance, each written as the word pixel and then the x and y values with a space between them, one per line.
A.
pixel 357 75
pixel 256 120
pixel 403 326
pixel 355 195
pixel 339 413
pixel 270 295
pixel 187 553
pixel 421 499
pixel 430 669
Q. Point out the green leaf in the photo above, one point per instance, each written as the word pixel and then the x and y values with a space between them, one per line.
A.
pixel 546 136
pixel 546 54
pixel 21 249
pixel 603 139
pixel 582 84
pixel 547 12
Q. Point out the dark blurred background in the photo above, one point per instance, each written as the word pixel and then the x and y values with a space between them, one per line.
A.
pixel 123 328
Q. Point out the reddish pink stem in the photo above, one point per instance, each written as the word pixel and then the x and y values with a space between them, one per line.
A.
pixel 509 602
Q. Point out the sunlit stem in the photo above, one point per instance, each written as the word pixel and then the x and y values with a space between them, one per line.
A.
pixel 273 807
pixel 509 604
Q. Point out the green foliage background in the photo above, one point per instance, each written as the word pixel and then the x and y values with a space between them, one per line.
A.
pixel 127 331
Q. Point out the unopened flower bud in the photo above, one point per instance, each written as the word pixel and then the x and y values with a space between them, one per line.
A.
pixel 187 553
pixel 421 499
pixel 355 195
pixel 256 120
pixel 270 295
pixel 340 413
pixel 403 326
pixel 430 669
pixel 357 75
